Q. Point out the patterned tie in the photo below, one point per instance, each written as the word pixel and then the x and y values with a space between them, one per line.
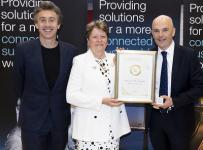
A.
pixel 163 90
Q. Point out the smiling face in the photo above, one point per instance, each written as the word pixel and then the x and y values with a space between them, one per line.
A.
pixel 47 23
pixel 163 31
pixel 97 40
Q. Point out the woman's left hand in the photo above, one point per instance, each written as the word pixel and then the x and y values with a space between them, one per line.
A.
pixel 111 102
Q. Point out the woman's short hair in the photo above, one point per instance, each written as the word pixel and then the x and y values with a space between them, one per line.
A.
pixel 48 5
pixel 96 24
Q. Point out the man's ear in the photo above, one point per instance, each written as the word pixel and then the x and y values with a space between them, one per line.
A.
pixel 174 31
pixel 36 25
pixel 58 26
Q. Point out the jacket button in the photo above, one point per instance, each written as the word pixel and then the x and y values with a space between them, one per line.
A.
pixel 95 116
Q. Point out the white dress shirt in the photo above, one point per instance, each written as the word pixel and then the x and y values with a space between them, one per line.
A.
pixel 170 53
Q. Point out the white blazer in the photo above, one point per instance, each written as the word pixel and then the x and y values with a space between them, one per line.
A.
pixel 85 90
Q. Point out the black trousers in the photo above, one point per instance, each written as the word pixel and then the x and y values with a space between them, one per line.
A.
pixel 165 134
pixel 47 138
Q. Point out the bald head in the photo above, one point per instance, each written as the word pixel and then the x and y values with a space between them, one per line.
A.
pixel 164 19
pixel 163 31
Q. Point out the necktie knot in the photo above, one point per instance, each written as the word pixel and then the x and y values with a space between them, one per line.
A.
pixel 164 53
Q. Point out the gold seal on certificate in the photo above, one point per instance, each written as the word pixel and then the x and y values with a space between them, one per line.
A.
pixel 135 70
pixel 135 76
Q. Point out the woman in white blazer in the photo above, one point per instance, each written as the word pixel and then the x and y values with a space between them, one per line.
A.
pixel 98 120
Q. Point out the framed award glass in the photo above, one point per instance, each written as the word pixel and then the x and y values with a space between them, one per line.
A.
pixel 135 76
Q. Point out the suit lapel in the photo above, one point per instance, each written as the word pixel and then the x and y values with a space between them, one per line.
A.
pixel 62 64
pixel 91 62
pixel 38 50
pixel 175 67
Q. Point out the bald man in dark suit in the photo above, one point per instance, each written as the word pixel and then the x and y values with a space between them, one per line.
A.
pixel 172 115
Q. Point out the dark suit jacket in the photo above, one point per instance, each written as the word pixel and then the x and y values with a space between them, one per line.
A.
pixel 33 90
pixel 186 87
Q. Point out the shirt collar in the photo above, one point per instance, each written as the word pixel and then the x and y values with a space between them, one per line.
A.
pixel 169 50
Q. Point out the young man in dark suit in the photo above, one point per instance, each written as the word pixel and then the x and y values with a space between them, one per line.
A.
pixel 179 83
pixel 42 68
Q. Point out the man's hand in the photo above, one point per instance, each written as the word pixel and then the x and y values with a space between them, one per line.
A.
pixel 168 102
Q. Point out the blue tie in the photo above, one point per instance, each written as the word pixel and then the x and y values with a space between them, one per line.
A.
pixel 163 89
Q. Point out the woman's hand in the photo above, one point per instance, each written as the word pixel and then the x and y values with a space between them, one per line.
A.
pixel 111 102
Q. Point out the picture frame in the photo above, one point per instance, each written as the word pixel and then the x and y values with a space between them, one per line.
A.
pixel 135 76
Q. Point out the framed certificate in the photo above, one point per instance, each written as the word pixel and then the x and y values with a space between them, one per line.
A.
pixel 135 76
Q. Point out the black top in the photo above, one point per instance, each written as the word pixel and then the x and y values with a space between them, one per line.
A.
pixel 51 62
